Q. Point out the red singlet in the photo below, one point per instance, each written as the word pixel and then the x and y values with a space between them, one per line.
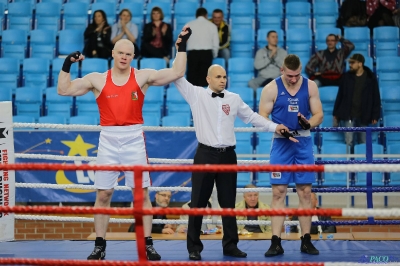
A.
pixel 121 105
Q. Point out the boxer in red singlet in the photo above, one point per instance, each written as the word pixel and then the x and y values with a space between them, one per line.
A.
pixel 119 95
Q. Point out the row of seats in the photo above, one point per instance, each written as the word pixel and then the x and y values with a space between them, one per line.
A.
pixel 46 44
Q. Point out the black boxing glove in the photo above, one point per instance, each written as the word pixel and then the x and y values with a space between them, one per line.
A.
pixel 286 134
pixel 184 38
pixel 67 63
pixel 303 123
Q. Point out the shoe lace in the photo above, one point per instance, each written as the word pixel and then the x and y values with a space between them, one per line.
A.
pixel 97 249
pixel 151 250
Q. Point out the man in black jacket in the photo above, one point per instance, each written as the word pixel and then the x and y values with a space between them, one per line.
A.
pixel 358 102
pixel 315 229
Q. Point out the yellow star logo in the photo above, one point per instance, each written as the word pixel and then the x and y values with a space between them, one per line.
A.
pixel 78 146
pixel 47 141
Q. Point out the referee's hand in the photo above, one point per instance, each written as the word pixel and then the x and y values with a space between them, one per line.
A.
pixel 282 128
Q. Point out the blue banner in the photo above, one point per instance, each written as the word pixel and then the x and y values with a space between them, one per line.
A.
pixel 167 145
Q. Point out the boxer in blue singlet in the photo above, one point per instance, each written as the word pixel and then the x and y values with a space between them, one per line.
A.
pixel 295 100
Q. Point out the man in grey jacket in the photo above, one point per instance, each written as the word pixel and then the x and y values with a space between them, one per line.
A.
pixel 268 61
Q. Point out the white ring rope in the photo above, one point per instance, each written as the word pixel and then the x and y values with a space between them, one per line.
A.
pixel 155 221
pixel 124 188
pixel 98 128
pixel 92 158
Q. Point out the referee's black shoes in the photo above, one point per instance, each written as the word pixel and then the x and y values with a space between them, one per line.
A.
pixel 194 255
pixel 307 246
pixel 235 253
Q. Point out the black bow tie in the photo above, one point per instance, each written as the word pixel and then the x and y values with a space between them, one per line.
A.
pixel 217 94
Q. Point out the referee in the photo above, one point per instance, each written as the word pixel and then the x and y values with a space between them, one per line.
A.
pixel 214 111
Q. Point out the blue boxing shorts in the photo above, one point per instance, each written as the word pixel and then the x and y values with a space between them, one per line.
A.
pixel 286 152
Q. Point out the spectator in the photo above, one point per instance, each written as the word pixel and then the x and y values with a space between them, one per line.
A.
pixel 182 228
pixel 223 33
pixel 202 47
pixel 358 101
pixel 314 228
pixel 97 37
pixel 327 66
pixel 161 199
pixel 251 201
pixel 157 36
pixel 379 13
pixel 125 29
pixel 268 61
pixel 353 13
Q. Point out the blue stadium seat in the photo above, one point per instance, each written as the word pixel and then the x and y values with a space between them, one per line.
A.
pixel 242 43
pixel 90 65
pixel 244 137
pixel 298 15
pixel 36 72
pixel 175 121
pixel 325 14
pixel 14 44
pixel 57 105
pixel 242 15
pixel 155 94
pixel 5 93
pixel 166 8
pixel 334 179
pixel 19 16
pixel 184 12
pixel 47 16
pixel 328 96
pixel 361 177
pixel 43 44
pixel 386 41
pixel 219 61
pixel 70 40
pixel 75 16
pixel 52 119
pixel 176 104
pixel 263 179
pixel 151 120
pixel 211 5
pixel 108 8
pixel 322 33
pixel 392 121
pixel 394 148
pixel 153 63
pixel 240 71
pixel 86 105
pixel 360 37
pixel 83 120
pixel 152 109
pixel 247 94
pixel 244 148
pixel 390 98
pixel 243 179
pixel 56 68
pixel 388 71
pixel 299 41
pixel 9 73
pixel 270 15
pixel 262 37
pixel 332 137
pixel 29 101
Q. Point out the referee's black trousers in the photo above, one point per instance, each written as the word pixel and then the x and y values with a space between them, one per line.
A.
pixel 202 186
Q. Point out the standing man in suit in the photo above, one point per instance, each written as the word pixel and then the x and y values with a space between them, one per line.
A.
pixel 202 47
pixel 214 111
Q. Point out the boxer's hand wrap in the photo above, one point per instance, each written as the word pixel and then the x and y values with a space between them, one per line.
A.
pixel 286 134
pixel 184 38
pixel 303 123
pixel 67 63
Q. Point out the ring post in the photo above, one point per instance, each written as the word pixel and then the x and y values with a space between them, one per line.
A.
pixel 368 149
pixel 7 178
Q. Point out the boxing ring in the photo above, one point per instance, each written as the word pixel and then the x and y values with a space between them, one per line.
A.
pixel 173 252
